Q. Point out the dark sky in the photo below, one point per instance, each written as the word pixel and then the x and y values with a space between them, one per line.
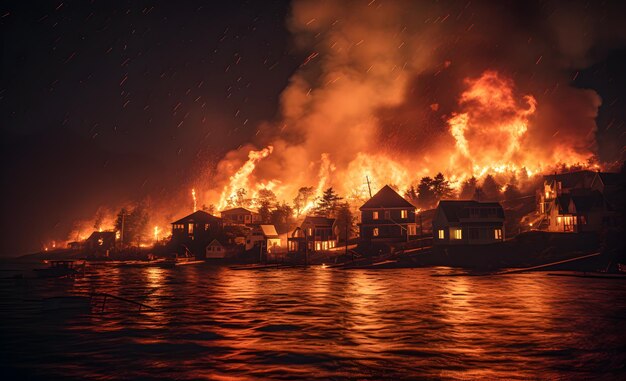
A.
pixel 105 102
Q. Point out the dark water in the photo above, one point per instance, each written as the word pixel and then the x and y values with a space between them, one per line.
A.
pixel 215 323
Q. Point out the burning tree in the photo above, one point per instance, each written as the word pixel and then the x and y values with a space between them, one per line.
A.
pixel 301 201
pixel 132 224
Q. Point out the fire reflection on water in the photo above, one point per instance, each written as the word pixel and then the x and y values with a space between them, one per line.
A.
pixel 215 322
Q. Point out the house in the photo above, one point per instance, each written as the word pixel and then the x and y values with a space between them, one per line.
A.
pixel 264 236
pixel 100 241
pixel 580 201
pixel 314 234
pixel 387 217
pixel 241 216
pixel 611 185
pixel 468 222
pixel 198 227
pixel 562 183
pixel 580 210
pixel 215 250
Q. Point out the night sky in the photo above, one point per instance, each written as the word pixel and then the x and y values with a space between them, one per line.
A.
pixel 106 102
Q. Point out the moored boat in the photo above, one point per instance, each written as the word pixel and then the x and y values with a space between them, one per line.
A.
pixel 61 268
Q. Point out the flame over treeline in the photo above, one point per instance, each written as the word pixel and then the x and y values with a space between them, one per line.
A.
pixel 490 137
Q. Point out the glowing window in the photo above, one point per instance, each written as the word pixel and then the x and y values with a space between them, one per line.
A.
pixel 318 246
pixel 190 228
pixel 441 234
pixel 456 234
pixel 310 231
pixel 375 215
pixel 404 214
pixel 412 229
pixel 497 233
pixel 375 232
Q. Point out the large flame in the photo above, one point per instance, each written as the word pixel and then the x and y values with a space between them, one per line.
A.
pixel 241 179
pixel 489 132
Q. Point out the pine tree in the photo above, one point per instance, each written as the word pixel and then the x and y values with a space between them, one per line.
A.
pixel 468 189
pixel 490 190
pixel 425 193
pixel 327 205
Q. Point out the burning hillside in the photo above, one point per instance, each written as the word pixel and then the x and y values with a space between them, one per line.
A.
pixel 391 92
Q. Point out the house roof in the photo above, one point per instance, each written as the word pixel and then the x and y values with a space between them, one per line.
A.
pixel 583 201
pixel 611 178
pixel 238 209
pixel 104 235
pixel 386 198
pixel 215 243
pixel 198 216
pixel 269 231
pixel 572 179
pixel 318 221
pixel 456 209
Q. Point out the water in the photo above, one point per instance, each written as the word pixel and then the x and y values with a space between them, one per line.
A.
pixel 215 323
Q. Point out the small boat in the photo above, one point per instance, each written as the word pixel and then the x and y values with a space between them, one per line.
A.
pixel 150 262
pixel 179 260
pixel 61 268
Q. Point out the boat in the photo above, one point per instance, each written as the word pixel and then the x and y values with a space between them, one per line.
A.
pixel 179 260
pixel 150 262
pixel 61 268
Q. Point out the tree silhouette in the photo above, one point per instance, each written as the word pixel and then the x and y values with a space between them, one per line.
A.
pixel 441 187
pixel 425 194
pixel 345 221
pixel 490 191
pixel 327 205
pixel 468 189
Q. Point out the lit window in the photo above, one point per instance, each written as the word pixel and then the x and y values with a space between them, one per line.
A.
pixel 318 246
pixel 206 226
pixel 456 234
pixel 404 214
pixel 497 234
pixel 412 229
pixel 441 234
pixel 375 215
pixel 310 231
pixel 375 232
pixel 190 228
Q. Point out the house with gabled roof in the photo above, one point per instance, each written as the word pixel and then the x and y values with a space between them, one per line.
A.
pixel 264 236
pixel 199 226
pixel 387 217
pixel 581 210
pixel 241 216
pixel 316 233
pixel 468 222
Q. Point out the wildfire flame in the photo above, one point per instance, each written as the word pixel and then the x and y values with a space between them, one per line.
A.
pixel 489 131
pixel 240 180
pixel 195 201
